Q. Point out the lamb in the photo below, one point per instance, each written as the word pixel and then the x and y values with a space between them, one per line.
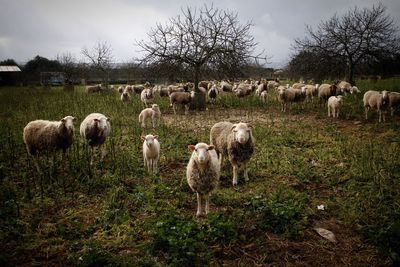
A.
pixel 125 96
pixel 261 88
pixel 147 96
pixel 151 152
pixel 289 95
pixel 181 98
pixel 376 100
pixel 263 96
pixel 95 128
pixel 236 142
pixel 213 92
pixel 345 88
pixel 334 105
pixel 154 113
pixel 325 91
pixel 93 89
pixel 394 101
pixel 202 173
pixel 44 135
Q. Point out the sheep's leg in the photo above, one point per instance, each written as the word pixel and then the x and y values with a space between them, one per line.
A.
pixel 145 163
pixel 103 152
pixel 221 160
pixel 199 200
pixel 329 111
pixel 207 198
pixel 186 109
pixel 366 113
pixel 235 174
pixel 246 174
pixel 392 111
pixel 174 108
pixel 380 115
pixel 156 166
pixel 337 113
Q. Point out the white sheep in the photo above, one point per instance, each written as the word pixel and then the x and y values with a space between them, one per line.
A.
pixel 125 96
pixel 95 128
pixel 151 152
pixel 376 100
pixel 394 101
pixel 213 92
pixel 147 96
pixel 236 142
pixel 202 174
pixel 43 135
pixel 154 113
pixel 325 91
pixel 290 95
pixel 263 96
pixel 334 105
pixel 225 86
pixel 93 89
pixel 345 88
pixel 311 91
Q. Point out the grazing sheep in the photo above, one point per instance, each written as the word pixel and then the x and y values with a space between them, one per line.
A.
pixel 290 95
pixel 93 89
pixel 181 98
pixel 43 135
pixel 202 173
pixel 334 105
pixel 376 100
pixel 225 86
pixel 325 91
pixel 242 89
pixel 311 91
pixel 213 92
pixel 298 85
pixel 394 101
pixel 236 142
pixel 95 128
pixel 154 113
pixel 125 96
pixel 345 88
pixel 272 85
pixel 151 152
pixel 263 96
pixel 147 96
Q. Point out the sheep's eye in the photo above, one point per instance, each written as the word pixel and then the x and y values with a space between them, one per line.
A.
pixel 235 131
pixel 248 131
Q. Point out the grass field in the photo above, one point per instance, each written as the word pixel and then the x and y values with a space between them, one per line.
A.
pixel 113 213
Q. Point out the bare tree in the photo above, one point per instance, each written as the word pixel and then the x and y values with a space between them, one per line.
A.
pixel 198 38
pixel 353 37
pixel 100 57
pixel 68 65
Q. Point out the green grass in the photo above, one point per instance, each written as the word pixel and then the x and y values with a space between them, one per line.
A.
pixel 114 213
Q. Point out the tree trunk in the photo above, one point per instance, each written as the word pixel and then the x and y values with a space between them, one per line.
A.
pixel 199 101
pixel 350 72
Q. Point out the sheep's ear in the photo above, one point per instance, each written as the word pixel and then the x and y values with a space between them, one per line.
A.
pixel 210 147
pixel 73 119
pixel 156 137
pixel 191 147
pixel 63 120
pixel 249 126
pixel 108 119
pixel 233 127
pixel 142 137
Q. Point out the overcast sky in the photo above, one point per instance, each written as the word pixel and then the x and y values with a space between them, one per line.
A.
pixel 50 27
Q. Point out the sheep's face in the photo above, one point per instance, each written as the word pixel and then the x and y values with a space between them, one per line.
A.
pixel 384 96
pixel 149 139
pixel 68 123
pixel 316 86
pixel 281 90
pixel 354 90
pixel 101 123
pixel 241 132
pixel 200 152
pixel 155 107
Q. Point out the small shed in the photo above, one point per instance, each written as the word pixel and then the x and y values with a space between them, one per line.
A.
pixel 9 75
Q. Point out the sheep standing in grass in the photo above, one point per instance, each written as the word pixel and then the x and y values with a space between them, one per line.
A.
pixel 93 89
pixel 147 96
pixel 376 100
pixel 290 95
pixel 394 101
pixel 263 96
pixel 154 113
pixel 95 128
pixel 236 142
pixel 311 91
pixel 125 96
pixel 334 105
pixel 151 152
pixel 213 92
pixel 202 173
pixel 325 91
pixel 181 98
pixel 345 88
pixel 225 86
pixel 43 135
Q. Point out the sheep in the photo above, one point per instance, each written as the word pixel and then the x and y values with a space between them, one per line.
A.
pixel 125 96
pixel 44 135
pixel 394 101
pixel 147 96
pixel 95 128
pixel 261 88
pixel 225 86
pixel 376 100
pixel 93 89
pixel 154 113
pixel 298 85
pixel 202 174
pixel 242 89
pixel 311 91
pixel 263 96
pixel 182 98
pixel 325 91
pixel 334 105
pixel 272 85
pixel 151 152
pixel 236 142
pixel 345 88
pixel 121 89
pixel 138 88
pixel 289 95
pixel 203 84
pixel 213 92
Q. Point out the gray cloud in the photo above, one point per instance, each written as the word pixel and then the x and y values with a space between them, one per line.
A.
pixel 51 27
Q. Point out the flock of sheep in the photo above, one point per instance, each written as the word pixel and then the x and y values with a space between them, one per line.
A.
pixel 234 142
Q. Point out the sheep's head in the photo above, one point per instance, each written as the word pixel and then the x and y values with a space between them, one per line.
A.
pixel 155 107
pixel 101 123
pixel 68 123
pixel 149 139
pixel 303 89
pixel 241 132
pixel 200 152
pixel 354 90
pixel 281 90
pixel 385 96
pixel 316 86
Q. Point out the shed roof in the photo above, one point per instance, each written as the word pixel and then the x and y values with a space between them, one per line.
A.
pixel 9 69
